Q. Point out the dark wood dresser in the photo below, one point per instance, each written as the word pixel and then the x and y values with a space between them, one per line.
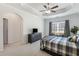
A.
pixel 34 37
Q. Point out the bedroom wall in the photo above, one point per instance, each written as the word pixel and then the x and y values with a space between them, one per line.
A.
pixel 15 28
pixel 7 12
pixel 29 21
pixel 1 34
pixel 74 20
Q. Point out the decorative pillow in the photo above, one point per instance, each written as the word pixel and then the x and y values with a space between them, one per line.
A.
pixel 77 32
pixel 78 40
pixel 73 38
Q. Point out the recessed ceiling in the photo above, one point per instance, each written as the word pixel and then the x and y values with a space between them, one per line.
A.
pixel 63 7
pixel 35 8
pixel 39 6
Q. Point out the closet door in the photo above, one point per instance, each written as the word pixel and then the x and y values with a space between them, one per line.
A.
pixel 5 31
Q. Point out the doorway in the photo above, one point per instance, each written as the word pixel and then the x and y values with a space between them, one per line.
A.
pixel 5 31
pixel 13 29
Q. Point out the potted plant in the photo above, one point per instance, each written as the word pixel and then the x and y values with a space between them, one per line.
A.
pixel 74 31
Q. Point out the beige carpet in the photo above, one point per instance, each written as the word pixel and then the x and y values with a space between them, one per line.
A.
pixel 24 50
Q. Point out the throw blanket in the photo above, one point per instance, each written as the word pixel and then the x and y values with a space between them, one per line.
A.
pixel 60 45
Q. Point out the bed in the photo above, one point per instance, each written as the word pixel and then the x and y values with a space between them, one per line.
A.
pixel 59 45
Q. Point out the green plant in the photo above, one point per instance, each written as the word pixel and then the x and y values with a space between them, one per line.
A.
pixel 74 29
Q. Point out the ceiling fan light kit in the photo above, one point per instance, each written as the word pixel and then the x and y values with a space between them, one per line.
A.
pixel 49 9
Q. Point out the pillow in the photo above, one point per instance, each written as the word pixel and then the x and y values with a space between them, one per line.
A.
pixel 58 33
pixel 77 32
pixel 73 39
pixel 77 38
pixel 78 42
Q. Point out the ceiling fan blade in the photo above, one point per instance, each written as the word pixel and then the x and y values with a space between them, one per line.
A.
pixel 53 11
pixel 45 6
pixel 42 10
pixel 55 7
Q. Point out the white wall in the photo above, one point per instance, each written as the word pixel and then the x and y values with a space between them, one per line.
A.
pixel 15 27
pixel 1 34
pixel 74 21
pixel 29 21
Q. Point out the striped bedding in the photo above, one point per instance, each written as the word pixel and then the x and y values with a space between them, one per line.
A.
pixel 59 45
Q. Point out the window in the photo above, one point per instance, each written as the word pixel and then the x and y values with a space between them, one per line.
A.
pixel 58 28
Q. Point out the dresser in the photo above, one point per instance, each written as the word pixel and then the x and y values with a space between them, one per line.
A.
pixel 34 37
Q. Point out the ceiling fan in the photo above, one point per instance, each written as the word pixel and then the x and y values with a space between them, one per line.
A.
pixel 49 9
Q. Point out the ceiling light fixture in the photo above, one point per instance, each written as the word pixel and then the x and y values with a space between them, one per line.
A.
pixel 48 11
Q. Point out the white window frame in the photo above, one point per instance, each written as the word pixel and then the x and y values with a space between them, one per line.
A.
pixel 57 24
